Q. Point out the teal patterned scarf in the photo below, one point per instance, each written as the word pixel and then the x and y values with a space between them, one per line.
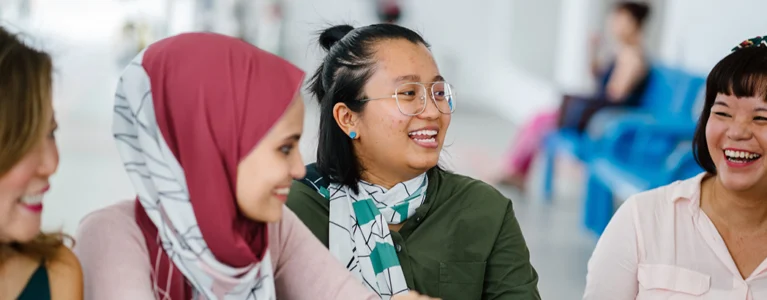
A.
pixel 359 233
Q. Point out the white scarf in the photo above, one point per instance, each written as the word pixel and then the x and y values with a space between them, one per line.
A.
pixel 161 187
pixel 359 233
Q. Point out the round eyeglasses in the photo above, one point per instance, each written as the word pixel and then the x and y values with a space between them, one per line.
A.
pixel 411 97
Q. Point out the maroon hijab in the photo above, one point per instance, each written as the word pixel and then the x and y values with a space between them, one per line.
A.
pixel 214 97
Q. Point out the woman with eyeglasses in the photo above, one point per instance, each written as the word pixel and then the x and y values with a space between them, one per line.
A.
pixel 376 195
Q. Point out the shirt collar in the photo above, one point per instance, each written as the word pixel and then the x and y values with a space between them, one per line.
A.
pixel 689 190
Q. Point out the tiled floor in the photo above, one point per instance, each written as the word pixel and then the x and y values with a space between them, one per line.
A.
pixel 91 176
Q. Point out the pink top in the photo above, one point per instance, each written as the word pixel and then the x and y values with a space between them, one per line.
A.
pixel 114 257
pixel 661 245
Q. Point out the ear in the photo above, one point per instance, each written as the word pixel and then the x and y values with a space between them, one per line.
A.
pixel 345 118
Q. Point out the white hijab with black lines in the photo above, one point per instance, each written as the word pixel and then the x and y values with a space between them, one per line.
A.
pixel 359 233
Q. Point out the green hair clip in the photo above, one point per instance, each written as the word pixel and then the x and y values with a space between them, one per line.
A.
pixel 758 41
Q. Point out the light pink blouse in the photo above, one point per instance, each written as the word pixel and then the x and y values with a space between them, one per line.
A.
pixel 116 264
pixel 661 245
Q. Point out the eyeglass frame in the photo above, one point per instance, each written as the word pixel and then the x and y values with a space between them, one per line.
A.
pixel 423 108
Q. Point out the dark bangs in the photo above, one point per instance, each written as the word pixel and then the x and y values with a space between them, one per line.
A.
pixel 743 73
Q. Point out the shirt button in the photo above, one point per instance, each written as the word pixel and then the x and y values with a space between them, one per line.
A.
pixel 399 248
pixel 418 220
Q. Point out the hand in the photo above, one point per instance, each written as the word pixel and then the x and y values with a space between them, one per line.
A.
pixel 413 296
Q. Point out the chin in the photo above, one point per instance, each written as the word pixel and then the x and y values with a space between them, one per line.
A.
pixel 274 213
pixel 424 163
pixel 738 182
pixel 25 233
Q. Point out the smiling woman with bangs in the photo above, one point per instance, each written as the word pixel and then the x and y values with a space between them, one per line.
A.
pixel 706 237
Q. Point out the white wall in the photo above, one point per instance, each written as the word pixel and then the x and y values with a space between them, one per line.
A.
pixel 461 32
pixel 699 33
pixel 535 31
pixel 472 41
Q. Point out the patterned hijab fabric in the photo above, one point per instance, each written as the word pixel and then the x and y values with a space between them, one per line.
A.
pixel 359 233
pixel 758 41
pixel 187 110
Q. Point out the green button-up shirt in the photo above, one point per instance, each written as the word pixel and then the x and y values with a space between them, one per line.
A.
pixel 464 241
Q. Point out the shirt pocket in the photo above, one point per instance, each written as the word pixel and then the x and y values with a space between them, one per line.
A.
pixel 673 280
pixel 461 280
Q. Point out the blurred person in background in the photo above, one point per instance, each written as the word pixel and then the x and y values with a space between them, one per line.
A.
pixel 376 196
pixel 705 237
pixel 620 83
pixel 388 11
pixel 33 265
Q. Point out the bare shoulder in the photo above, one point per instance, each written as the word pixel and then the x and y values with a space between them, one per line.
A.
pixel 634 57
pixel 15 273
pixel 65 275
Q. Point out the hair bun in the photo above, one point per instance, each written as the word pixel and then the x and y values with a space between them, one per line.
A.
pixel 330 36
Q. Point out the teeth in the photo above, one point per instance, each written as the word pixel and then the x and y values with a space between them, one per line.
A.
pixel 423 132
pixel 740 154
pixel 35 199
pixel 282 191
pixel 429 140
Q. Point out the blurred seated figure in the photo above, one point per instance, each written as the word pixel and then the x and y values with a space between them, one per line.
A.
pixel 620 83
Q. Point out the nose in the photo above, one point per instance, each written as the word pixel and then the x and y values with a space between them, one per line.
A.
pixel 430 112
pixel 297 167
pixel 49 158
pixel 739 131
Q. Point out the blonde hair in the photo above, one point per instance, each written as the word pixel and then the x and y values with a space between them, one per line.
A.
pixel 25 92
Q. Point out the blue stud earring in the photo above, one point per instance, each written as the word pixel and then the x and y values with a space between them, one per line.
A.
pixel 353 134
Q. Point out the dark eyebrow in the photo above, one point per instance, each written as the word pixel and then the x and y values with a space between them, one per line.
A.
pixel 720 103
pixel 413 78
pixel 760 109
pixel 293 138
pixel 416 78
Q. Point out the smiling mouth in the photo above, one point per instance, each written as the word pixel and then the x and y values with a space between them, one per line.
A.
pixel 741 157
pixel 282 191
pixel 424 136
pixel 31 199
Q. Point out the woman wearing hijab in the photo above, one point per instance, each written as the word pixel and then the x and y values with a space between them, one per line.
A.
pixel 207 127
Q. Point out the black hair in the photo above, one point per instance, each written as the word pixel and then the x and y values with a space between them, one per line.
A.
pixel 638 10
pixel 340 78
pixel 742 73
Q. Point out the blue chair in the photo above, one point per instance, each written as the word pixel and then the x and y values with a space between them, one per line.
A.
pixel 609 178
pixel 637 154
pixel 669 95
